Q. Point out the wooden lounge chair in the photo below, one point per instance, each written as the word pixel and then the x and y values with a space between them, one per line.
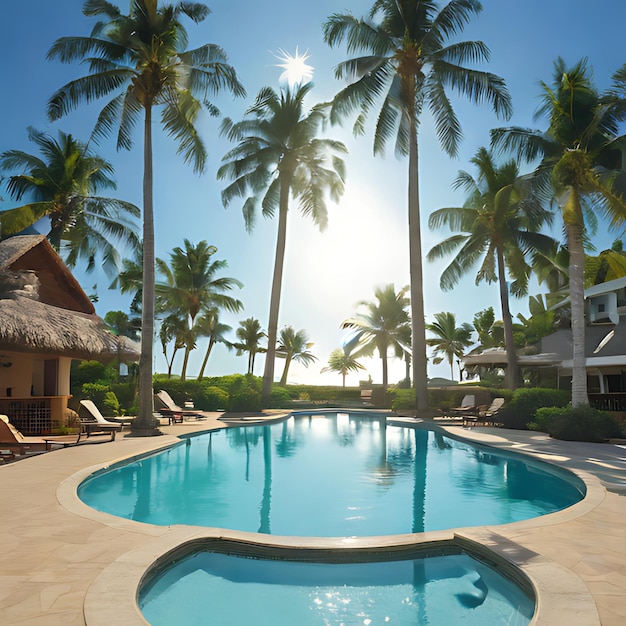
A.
pixel 468 406
pixel 93 422
pixel 486 416
pixel 166 407
pixel 12 439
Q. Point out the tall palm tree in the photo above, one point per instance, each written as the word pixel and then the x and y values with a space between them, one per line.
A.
pixel 499 224
pixel 279 156
pixel 382 326
pixel 294 346
pixel 249 334
pixel 62 184
pixel 449 340
pixel 578 155
pixel 342 362
pixel 407 64
pixel 209 325
pixel 190 287
pixel 141 59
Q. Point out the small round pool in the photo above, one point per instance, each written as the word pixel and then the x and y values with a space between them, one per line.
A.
pixel 439 589
pixel 331 475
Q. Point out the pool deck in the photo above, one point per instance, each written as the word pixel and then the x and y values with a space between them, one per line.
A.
pixel 62 562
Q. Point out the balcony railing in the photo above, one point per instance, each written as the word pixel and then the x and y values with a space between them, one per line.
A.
pixel 608 401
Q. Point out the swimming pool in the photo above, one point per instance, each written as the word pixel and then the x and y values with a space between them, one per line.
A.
pixel 331 475
pixel 443 588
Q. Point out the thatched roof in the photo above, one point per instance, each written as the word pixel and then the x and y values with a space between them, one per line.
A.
pixel 27 325
pixel 57 285
pixel 43 308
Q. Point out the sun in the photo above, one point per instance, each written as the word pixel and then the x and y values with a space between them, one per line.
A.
pixel 296 70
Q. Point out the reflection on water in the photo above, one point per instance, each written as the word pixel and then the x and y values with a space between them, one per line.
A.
pixel 330 475
pixel 210 588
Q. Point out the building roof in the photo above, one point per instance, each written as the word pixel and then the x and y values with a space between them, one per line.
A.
pixel 44 309
pixel 498 357
pixel 607 287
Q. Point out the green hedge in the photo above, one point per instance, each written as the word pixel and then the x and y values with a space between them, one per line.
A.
pixel 576 424
pixel 522 407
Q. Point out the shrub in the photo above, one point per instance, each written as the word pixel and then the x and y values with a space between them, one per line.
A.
pixel 581 423
pixel 211 399
pixel 83 372
pixel 404 400
pixel 110 404
pixel 246 400
pixel 102 397
pixel 524 404
pixel 127 396
pixel 280 398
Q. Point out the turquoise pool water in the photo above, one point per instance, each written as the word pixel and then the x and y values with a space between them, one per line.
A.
pixel 217 589
pixel 331 475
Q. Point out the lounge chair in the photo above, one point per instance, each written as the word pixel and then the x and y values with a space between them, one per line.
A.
pixel 468 406
pixel 6 456
pixel 93 422
pixel 166 407
pixel 12 439
pixel 485 416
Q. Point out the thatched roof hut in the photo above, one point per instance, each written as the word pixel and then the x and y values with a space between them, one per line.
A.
pixel 44 309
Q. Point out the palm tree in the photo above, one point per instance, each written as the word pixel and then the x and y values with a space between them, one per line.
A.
pixel 209 325
pixel 449 339
pixel 172 328
pixel 62 184
pixel 141 59
pixel 407 64
pixel 490 333
pixel 382 326
pixel 191 287
pixel 293 346
pixel 279 156
pixel 579 157
pixel 499 223
pixel 121 325
pixel 130 280
pixel 249 334
pixel 342 362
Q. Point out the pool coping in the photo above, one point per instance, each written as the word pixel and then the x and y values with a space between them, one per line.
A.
pixel 557 589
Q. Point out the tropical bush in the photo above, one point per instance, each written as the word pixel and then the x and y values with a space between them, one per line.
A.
pixel 127 396
pixel 211 398
pixel 581 423
pixel 280 398
pixel 102 397
pixel 522 407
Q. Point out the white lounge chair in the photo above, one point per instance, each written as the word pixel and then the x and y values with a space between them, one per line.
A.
pixel 94 422
pixel 165 405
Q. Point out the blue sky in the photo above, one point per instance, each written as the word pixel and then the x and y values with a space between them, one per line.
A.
pixel 366 243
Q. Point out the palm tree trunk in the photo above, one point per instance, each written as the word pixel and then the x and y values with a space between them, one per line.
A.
pixel 283 378
pixel 418 323
pixel 272 329
pixel 145 424
pixel 577 297
pixel 383 356
pixel 206 358
pixel 512 368
pixel 183 372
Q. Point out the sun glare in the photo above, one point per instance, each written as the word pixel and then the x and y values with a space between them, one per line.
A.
pixel 296 70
